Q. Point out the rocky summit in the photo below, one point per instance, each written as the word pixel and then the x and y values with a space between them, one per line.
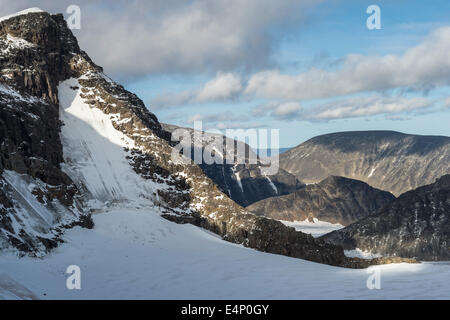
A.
pixel 386 160
pixel 415 225
pixel 335 200
pixel 37 198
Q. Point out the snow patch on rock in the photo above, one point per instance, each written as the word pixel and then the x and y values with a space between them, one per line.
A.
pixel 20 13
pixel 96 153
pixel 358 253
pixel 316 228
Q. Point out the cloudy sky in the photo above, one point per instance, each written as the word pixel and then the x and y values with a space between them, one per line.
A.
pixel 307 67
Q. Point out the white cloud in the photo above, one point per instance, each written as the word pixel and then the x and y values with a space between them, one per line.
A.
pixel 166 100
pixel 367 106
pixel 287 109
pixel 224 86
pixel 280 111
pixel 421 67
pixel 216 117
pixel 344 108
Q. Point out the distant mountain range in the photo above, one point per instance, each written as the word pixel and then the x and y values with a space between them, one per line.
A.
pixel 386 160
pixel 413 167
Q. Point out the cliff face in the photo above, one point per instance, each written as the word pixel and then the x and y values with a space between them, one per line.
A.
pixel 37 198
pixel 335 199
pixel 75 142
pixel 386 160
pixel 417 224
pixel 242 182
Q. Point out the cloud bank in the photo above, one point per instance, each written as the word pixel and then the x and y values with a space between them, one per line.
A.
pixel 354 107
pixel 419 68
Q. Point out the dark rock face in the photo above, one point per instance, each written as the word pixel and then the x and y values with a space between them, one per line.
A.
pixel 417 224
pixel 29 131
pixel 41 52
pixel 335 199
pixel 243 182
pixel 35 57
pixel 253 186
pixel 386 160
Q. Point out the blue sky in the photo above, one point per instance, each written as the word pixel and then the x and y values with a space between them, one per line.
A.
pixel 306 67
pixel 331 31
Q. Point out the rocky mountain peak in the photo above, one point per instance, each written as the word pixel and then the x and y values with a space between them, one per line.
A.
pixel 337 180
pixel 443 182
pixel 39 51
pixel 37 48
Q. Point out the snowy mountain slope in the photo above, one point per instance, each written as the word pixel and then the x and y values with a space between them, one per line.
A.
pixel 12 290
pixel 136 254
pixel 94 151
pixel 30 220
pixel 182 190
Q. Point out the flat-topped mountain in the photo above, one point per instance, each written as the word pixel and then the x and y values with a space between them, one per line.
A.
pixel 386 160
pixel 335 199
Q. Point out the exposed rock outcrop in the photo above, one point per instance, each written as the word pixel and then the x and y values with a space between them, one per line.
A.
pixel 242 181
pixel 335 199
pixel 34 57
pixel 416 225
